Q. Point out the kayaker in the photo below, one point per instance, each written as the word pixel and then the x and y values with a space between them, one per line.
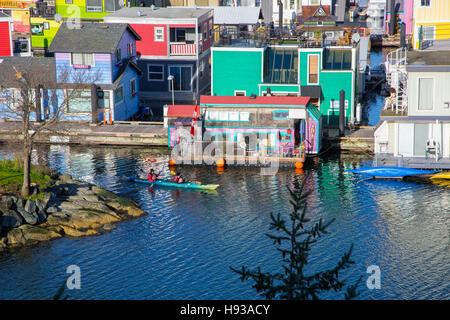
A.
pixel 179 178
pixel 152 176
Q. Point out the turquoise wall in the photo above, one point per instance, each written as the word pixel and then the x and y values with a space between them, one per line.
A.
pixel 236 70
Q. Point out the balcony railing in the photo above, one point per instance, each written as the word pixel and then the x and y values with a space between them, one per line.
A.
pixel 11 4
pixel 183 49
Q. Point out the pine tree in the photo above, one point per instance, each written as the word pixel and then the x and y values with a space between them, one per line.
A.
pixel 294 243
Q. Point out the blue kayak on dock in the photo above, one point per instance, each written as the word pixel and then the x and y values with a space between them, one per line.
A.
pixel 391 172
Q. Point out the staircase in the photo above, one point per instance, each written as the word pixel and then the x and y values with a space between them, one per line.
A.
pixel 397 79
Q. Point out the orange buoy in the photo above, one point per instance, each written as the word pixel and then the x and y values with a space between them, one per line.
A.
pixel 172 162
pixel 299 165
pixel 220 163
pixel 298 171
pixel 220 170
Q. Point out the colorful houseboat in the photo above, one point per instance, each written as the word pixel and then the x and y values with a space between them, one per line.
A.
pixel 174 52
pixel 316 70
pixel 286 126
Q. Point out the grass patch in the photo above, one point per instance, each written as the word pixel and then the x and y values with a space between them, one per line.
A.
pixel 11 177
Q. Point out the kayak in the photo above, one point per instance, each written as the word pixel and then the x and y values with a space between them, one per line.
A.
pixel 391 172
pixel 187 185
pixel 442 175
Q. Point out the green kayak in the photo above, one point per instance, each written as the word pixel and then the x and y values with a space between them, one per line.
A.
pixel 187 185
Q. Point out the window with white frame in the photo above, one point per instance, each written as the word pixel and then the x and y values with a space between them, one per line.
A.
pixel 155 72
pixel 82 59
pixel 118 95
pixel 80 102
pixel 425 3
pixel 133 87
pixel 235 116
pixel 240 92
pixel 159 34
pixel 94 6
pixel 428 32
pixel 118 55
pixel 425 94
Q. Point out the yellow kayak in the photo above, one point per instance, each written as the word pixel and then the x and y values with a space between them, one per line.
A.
pixel 442 175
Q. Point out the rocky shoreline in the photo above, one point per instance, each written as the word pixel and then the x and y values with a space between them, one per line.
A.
pixel 69 208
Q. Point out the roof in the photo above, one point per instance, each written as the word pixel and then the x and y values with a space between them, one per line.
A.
pixel 309 11
pixel 237 15
pixel 5 17
pixel 42 70
pixel 428 58
pixel 92 37
pixel 180 110
pixel 257 101
pixel 158 13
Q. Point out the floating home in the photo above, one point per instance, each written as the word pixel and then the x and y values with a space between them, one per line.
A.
pixel 288 127
pixel 414 127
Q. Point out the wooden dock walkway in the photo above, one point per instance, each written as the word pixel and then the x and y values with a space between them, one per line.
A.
pixel 121 133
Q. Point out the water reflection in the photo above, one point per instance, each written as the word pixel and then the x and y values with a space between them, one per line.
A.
pixel 185 245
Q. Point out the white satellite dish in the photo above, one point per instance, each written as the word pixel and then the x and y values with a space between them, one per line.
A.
pixel 58 17
pixel 356 37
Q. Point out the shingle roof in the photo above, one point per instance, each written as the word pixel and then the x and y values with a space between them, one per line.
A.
pixel 90 38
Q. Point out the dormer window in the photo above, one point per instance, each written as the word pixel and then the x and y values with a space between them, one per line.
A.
pixel 82 60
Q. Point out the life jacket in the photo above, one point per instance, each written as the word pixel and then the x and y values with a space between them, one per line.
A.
pixel 176 179
pixel 150 177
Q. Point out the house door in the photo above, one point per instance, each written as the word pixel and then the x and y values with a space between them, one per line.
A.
pixel 405 139
pixel 420 138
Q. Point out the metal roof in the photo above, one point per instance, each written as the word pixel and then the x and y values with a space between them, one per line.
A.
pixel 237 15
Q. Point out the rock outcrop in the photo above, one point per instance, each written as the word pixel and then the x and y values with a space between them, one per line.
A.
pixel 71 208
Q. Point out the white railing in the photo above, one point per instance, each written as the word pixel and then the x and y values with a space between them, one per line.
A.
pixel 183 49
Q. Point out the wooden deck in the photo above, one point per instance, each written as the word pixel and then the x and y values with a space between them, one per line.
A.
pixel 388 160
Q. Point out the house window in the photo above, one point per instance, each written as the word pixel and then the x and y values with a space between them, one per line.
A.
pixel 425 3
pixel 79 102
pixel 210 29
pixel 118 95
pixel 213 115
pixel 313 69
pixel 244 116
pixel 223 116
pixel 428 32
pixel 118 55
pixel 233 116
pixel 425 94
pixel 155 72
pixel 240 92
pixel 337 59
pixel 111 5
pixel 130 49
pixel 205 31
pixel 82 59
pixel 182 77
pixel 281 115
pixel 94 6
pixel 103 102
pixel 133 87
pixel 159 34
pixel 69 1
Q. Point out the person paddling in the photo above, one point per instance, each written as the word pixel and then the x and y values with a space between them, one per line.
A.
pixel 179 178
pixel 152 176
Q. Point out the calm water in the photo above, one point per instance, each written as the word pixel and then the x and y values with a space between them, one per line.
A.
pixel 185 245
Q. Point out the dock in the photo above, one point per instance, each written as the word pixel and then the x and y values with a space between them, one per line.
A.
pixel 120 133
